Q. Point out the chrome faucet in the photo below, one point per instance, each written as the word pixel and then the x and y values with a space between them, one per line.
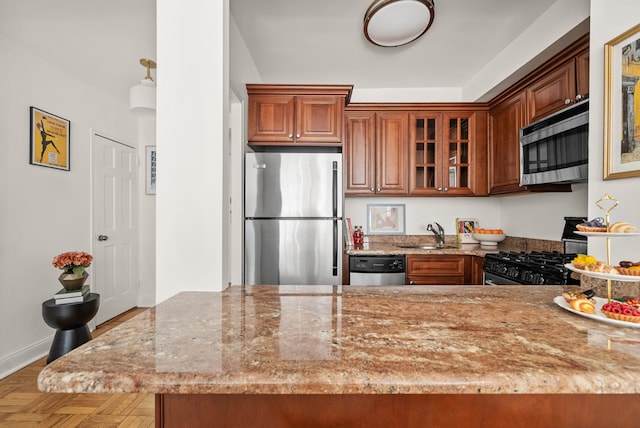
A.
pixel 439 232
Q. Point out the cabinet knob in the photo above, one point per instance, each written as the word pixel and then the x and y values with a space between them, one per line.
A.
pixel 297 135
pixel 439 189
pixel 290 135
pixel 410 282
pixel 446 189
pixel 568 101
pixel 372 190
pixel 578 97
pixel 378 190
pixel 103 237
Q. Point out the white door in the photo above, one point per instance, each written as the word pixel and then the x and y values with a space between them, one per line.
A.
pixel 115 226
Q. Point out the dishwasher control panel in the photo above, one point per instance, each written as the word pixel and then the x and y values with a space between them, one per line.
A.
pixel 377 264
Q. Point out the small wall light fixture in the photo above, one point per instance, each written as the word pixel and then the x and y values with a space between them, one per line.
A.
pixel 397 22
pixel 142 97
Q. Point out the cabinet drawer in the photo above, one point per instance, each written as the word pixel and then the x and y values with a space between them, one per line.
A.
pixel 440 266
pixel 435 280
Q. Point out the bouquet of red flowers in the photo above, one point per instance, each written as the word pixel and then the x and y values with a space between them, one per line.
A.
pixel 73 261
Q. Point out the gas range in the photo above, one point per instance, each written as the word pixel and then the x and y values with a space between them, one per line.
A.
pixel 533 268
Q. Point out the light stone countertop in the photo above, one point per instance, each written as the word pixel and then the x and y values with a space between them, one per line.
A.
pixel 362 340
pixel 397 244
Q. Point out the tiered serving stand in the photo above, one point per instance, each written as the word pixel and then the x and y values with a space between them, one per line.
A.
pixel 606 204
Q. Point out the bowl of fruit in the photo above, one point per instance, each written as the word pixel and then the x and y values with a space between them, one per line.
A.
pixel 488 237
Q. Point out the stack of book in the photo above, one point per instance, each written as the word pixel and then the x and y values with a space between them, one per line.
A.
pixel 64 296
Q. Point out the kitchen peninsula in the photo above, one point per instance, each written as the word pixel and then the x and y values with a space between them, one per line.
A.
pixel 289 356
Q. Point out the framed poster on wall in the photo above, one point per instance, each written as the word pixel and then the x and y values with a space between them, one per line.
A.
pixel 49 141
pixel 150 162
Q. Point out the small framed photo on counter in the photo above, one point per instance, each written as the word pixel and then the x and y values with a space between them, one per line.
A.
pixel 464 230
pixel 386 219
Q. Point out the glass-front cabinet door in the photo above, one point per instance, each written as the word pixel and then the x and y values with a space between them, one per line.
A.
pixel 440 153
pixel 425 137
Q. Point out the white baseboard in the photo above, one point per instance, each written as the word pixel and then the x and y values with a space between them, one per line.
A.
pixel 146 300
pixel 22 358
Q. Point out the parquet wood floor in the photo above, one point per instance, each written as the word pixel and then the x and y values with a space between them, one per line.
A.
pixel 22 405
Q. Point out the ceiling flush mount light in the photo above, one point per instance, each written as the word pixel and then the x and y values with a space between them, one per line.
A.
pixel 142 97
pixel 397 22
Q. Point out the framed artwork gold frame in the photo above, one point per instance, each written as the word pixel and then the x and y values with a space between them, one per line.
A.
pixel 622 105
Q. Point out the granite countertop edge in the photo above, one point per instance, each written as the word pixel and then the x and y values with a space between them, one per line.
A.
pixel 373 340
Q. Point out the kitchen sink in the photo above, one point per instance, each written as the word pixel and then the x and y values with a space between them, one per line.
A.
pixel 427 246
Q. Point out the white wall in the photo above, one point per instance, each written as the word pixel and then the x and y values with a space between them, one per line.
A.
pixel 192 131
pixel 43 211
pixel 539 216
pixel 147 213
pixel 421 211
pixel 609 20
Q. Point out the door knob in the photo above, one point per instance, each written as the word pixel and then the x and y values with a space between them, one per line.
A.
pixel 102 237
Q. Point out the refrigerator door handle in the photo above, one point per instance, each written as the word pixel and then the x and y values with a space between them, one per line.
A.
pixel 335 247
pixel 334 188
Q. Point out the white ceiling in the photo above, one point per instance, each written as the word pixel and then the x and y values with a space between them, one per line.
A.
pixel 291 41
pixel 322 41
pixel 102 46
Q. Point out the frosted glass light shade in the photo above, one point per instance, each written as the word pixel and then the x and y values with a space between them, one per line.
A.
pixel 397 22
pixel 142 97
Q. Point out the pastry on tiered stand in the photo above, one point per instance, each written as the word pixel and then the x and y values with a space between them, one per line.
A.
pixel 581 301
pixel 629 268
pixel 581 261
pixel 622 227
pixel 595 225
pixel 621 311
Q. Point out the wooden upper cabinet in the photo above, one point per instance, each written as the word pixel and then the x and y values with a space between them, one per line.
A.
pixel 564 80
pixel 319 119
pixel 292 115
pixel 375 153
pixel 391 153
pixel 359 152
pixel 448 153
pixel 271 118
pixel 565 85
pixel 551 93
pixel 505 121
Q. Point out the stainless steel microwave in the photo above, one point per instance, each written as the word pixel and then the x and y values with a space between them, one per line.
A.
pixel 556 148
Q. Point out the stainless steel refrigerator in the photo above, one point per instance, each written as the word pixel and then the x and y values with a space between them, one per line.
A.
pixel 293 218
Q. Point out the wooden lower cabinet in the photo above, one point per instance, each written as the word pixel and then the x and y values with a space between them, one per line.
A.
pixel 396 410
pixel 439 270
pixel 477 270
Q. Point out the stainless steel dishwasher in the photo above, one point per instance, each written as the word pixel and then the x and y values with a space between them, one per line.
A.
pixel 377 270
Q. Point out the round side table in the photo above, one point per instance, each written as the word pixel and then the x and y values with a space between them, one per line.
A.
pixel 70 321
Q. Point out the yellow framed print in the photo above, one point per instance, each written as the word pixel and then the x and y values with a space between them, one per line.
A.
pixel 49 140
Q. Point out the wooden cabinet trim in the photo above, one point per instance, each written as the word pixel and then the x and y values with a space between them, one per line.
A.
pixel 337 90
